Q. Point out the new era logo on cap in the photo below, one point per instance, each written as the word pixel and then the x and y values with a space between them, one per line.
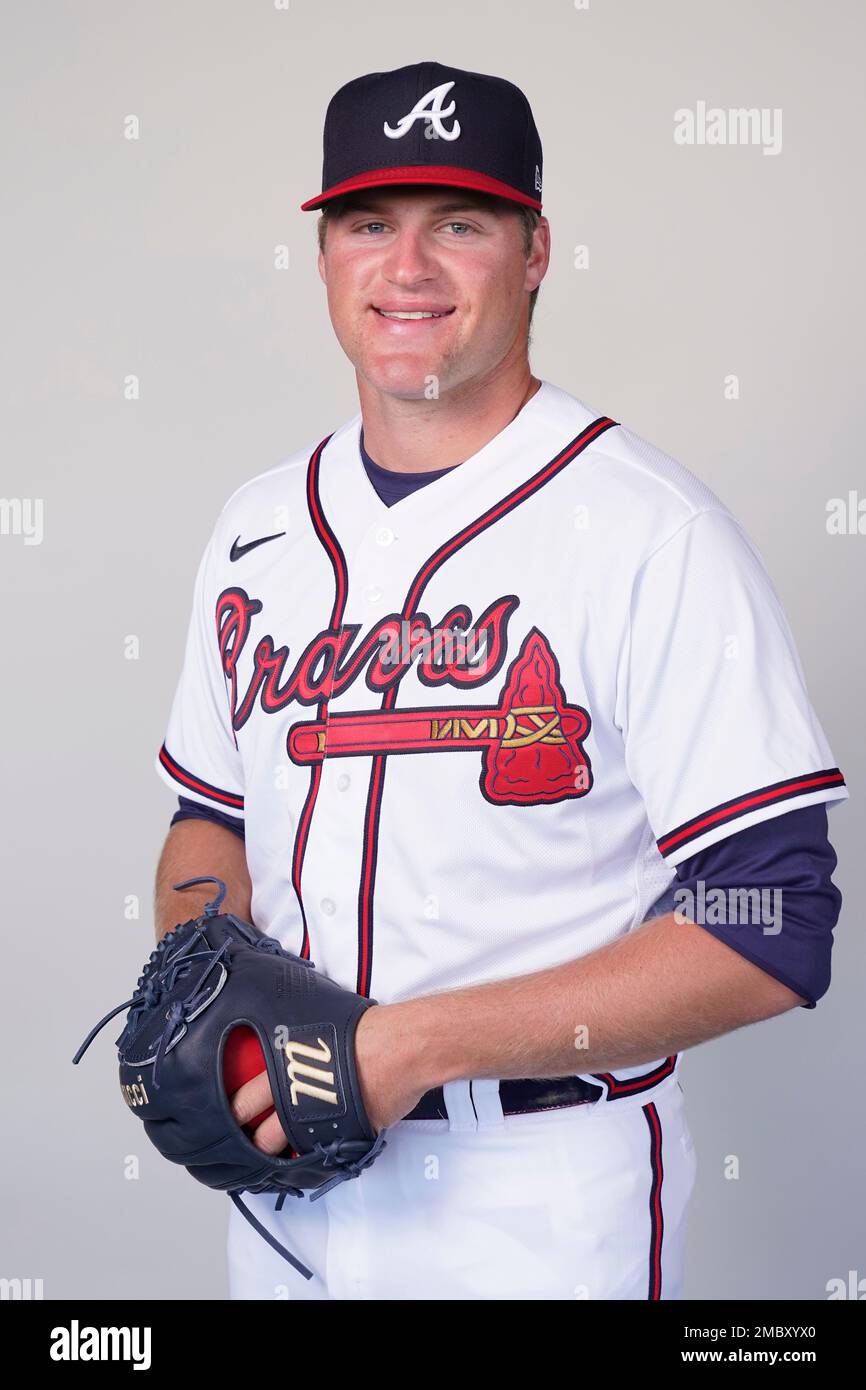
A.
pixel 382 129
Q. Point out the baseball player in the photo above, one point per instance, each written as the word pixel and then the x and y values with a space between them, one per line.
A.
pixel 490 709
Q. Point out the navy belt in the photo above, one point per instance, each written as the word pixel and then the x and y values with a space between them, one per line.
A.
pixel 518 1097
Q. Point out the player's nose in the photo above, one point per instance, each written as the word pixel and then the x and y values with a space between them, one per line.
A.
pixel 410 259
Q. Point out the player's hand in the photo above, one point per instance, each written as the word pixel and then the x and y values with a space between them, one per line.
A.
pixel 251 1100
pixel 390 1085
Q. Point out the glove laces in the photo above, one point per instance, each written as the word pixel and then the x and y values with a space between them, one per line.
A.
pixel 160 976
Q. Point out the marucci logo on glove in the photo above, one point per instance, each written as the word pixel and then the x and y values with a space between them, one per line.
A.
pixel 134 1093
pixel 318 1082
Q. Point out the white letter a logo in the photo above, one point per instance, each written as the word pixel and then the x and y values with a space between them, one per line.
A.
pixel 428 108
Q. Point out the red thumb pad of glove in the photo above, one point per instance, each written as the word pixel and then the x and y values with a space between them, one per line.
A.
pixel 242 1060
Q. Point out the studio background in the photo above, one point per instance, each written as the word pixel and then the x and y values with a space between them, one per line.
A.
pixel 717 310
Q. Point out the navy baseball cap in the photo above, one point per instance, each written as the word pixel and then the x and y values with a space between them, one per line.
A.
pixel 431 124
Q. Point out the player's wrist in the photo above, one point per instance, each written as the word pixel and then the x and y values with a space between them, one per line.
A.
pixel 432 1043
pixel 401 1055
pixel 389 1064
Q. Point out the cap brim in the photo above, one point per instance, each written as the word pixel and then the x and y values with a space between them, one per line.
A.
pixel 443 174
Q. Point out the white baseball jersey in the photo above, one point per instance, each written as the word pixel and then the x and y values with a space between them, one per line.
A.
pixel 472 734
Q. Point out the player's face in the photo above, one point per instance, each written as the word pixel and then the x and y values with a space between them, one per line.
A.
pixel 442 253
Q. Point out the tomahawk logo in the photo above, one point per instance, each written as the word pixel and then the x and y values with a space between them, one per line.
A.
pixel 298 1070
pixel 428 108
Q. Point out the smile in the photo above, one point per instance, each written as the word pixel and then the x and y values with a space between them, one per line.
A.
pixel 409 315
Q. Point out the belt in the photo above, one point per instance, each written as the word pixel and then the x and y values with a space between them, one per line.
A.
pixel 518 1097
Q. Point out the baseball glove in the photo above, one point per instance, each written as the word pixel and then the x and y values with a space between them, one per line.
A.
pixel 209 979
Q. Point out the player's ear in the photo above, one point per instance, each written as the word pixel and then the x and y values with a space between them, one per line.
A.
pixel 321 233
pixel 539 255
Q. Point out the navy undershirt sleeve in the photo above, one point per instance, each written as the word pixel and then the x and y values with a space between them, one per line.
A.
pixel 786 864
pixel 194 810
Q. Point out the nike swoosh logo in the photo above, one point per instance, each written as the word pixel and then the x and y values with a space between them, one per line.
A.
pixel 238 551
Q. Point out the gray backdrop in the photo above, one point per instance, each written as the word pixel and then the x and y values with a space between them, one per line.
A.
pixel 720 315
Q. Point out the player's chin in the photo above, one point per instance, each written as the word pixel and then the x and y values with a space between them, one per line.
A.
pixel 408 375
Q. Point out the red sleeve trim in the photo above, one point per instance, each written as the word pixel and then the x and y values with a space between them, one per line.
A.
pixel 734 810
pixel 197 784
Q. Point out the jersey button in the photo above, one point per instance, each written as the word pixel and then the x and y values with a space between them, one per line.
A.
pixel 328 906
pixel 373 594
pixel 384 536
pixel 343 782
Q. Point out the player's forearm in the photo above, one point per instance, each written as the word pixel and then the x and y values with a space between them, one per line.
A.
pixel 663 988
pixel 192 849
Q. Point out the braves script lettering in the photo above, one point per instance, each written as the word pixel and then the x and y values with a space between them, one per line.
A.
pixel 332 660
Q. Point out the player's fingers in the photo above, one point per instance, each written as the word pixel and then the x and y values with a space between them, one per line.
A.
pixel 251 1099
pixel 269 1136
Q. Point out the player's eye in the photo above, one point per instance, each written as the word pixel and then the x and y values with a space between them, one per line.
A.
pixel 459 227
pixel 368 226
